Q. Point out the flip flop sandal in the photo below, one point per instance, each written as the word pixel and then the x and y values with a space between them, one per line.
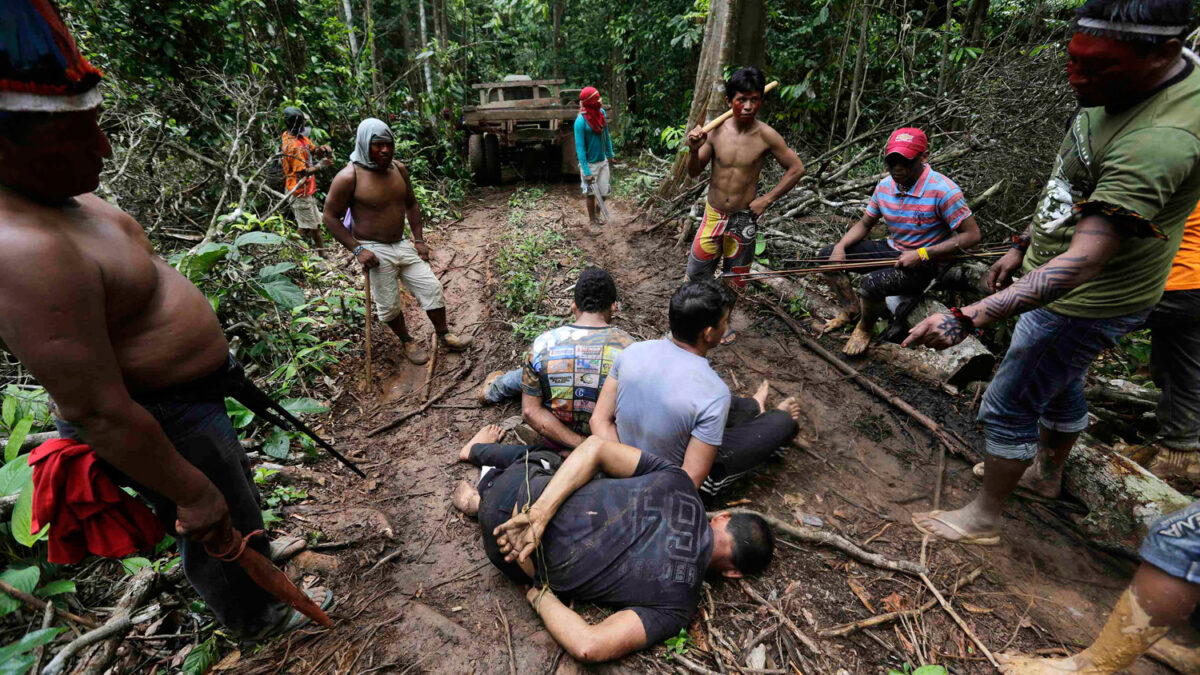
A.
pixel 286 548
pixel 729 337
pixel 294 620
pixel 968 539
pixel 1060 502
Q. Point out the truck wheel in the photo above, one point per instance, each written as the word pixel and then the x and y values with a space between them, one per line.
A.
pixel 491 159
pixel 475 154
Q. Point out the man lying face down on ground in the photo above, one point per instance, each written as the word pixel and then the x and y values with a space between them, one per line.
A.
pixel 636 539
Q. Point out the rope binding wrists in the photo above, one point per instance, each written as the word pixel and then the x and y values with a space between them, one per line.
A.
pixel 967 323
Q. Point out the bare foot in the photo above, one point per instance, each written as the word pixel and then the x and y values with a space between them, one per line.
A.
pixel 966 525
pixel 1036 479
pixel 842 319
pixel 860 339
pixel 790 406
pixel 466 498
pixel 1011 664
pixel 760 395
pixel 491 433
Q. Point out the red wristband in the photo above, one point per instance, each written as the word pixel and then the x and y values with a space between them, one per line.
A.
pixel 965 320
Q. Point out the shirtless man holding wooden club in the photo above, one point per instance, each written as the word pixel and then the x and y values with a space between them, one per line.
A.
pixel 738 146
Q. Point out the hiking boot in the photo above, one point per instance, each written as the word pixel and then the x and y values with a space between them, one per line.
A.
pixel 1179 468
pixel 414 353
pixel 285 548
pixel 453 342
pixel 482 394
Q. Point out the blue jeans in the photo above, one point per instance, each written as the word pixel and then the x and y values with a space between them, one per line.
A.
pixel 1173 544
pixel 505 387
pixel 201 431
pixel 1041 379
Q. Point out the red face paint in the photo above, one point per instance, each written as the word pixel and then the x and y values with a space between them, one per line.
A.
pixel 745 106
pixel 1104 71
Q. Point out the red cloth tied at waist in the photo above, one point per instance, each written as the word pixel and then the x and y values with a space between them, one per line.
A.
pixel 85 509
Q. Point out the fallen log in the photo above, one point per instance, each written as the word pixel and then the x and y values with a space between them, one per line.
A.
pixel 1122 498
pixel 32 440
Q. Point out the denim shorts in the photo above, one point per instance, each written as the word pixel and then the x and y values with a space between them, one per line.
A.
pixel 1173 544
pixel 1041 378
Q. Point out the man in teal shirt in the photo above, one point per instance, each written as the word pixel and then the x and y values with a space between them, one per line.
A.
pixel 593 145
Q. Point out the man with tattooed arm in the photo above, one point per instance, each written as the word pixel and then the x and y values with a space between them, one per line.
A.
pixel 1096 256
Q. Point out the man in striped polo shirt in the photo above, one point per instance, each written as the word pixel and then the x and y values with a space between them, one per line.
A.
pixel 928 222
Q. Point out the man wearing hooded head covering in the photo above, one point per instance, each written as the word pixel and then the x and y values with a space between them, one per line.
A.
pixel 299 170
pixel 127 347
pixel 376 191
pixel 593 145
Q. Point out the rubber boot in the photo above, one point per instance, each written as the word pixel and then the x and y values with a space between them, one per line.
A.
pixel 454 343
pixel 1126 636
pixel 1179 468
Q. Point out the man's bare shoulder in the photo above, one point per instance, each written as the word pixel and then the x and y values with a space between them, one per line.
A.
pixel 33 244
pixel 346 174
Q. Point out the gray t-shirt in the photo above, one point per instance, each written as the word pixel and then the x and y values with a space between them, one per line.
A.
pixel 666 395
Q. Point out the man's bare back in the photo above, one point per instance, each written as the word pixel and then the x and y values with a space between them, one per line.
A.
pixel 379 200
pixel 89 268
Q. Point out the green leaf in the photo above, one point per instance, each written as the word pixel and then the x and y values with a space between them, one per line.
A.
pixel 16 437
pixel 57 587
pixel 22 519
pixel 239 414
pixel 197 264
pixel 760 246
pixel 258 237
pixel 134 563
pixel 201 658
pixel 278 269
pixel 15 475
pixel 930 670
pixel 24 579
pixel 9 411
pixel 284 293
pixel 15 658
pixel 277 444
pixel 303 406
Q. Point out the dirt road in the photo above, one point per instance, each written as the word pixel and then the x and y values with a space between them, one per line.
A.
pixel 437 606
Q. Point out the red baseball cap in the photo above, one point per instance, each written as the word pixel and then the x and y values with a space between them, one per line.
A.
pixel 908 141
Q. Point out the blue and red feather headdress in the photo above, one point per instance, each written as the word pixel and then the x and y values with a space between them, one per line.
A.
pixel 41 68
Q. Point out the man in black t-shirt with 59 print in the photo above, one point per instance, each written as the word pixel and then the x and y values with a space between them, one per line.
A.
pixel 636 539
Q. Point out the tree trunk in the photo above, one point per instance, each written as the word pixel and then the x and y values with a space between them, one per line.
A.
pixel 375 91
pixel 944 69
pixel 618 97
pixel 406 39
pixel 350 28
pixel 860 64
pixel 556 15
pixel 425 46
pixel 750 23
pixel 837 90
pixel 976 18
pixel 1122 498
pixel 709 73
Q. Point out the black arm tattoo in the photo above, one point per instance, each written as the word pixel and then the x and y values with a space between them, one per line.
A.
pixel 952 329
pixel 1041 286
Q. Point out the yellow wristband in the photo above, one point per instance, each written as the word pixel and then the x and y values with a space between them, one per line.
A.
pixel 922 253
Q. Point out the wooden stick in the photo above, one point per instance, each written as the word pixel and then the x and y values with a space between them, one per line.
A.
pixel 41 604
pixel 804 639
pixel 729 113
pixel 512 659
pixel 958 619
pixel 433 350
pixel 837 541
pixel 847 628
pixel 367 287
pixel 934 428
pixel 466 367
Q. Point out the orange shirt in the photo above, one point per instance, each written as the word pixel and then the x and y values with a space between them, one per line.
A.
pixel 1185 270
pixel 297 156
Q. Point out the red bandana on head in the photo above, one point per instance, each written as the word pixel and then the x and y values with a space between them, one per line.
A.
pixel 589 107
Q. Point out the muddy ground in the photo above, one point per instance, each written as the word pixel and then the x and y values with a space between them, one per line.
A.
pixel 437 606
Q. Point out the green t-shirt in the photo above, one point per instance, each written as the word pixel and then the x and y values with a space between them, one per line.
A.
pixel 1143 163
